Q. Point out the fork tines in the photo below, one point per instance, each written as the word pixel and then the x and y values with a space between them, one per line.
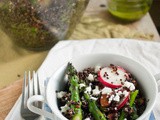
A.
pixel 30 87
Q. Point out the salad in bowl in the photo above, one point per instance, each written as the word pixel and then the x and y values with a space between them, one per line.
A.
pixel 99 87
pixel 101 93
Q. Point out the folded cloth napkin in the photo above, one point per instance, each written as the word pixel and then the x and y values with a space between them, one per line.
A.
pixel 147 53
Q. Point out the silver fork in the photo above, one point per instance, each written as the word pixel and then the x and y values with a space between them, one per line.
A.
pixel 27 91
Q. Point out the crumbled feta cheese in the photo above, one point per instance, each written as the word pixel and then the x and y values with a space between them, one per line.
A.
pixel 125 93
pixel 90 77
pixel 96 91
pixel 132 88
pixel 87 118
pixel 61 94
pixel 119 93
pixel 125 118
pixel 111 98
pixel 88 89
pixel 106 90
pixel 97 68
pixel 90 84
pixel 93 98
pixel 81 85
pixel 129 85
pixel 82 98
pixel 116 98
pixel 64 108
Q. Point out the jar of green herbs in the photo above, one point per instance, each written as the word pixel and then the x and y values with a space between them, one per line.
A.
pixel 129 10
pixel 40 24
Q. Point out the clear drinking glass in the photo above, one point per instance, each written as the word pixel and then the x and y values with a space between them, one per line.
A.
pixel 39 24
pixel 129 10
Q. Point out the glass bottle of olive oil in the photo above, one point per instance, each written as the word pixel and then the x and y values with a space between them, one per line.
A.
pixel 129 10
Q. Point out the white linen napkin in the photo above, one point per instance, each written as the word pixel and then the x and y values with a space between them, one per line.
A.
pixel 147 53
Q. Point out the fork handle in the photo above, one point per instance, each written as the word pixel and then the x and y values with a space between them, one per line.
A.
pixel 37 110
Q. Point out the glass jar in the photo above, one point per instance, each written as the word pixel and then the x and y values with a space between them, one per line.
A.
pixel 39 24
pixel 129 10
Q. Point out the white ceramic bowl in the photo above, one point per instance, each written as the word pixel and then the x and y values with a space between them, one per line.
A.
pixel 145 79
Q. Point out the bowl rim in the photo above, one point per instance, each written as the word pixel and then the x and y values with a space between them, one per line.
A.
pixel 108 54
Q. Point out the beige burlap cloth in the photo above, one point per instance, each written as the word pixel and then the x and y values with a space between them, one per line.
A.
pixel 15 60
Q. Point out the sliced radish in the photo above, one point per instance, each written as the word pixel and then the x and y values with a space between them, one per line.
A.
pixel 124 100
pixel 121 68
pixel 112 78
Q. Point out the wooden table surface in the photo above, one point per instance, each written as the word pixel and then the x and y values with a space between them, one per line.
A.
pixel 145 25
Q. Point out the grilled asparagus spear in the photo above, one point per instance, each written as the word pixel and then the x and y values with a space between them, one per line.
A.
pixel 75 98
pixel 94 110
